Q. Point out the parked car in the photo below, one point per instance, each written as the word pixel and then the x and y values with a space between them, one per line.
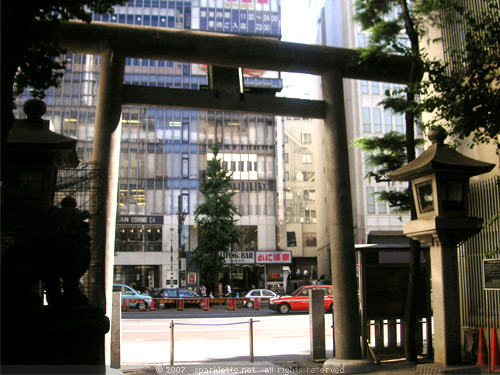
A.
pixel 129 293
pixel 299 300
pixel 188 297
pixel 261 294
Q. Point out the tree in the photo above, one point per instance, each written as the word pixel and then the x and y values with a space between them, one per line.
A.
pixel 463 93
pixel 384 155
pixel 217 229
pixel 30 53
pixel 386 30
pixel 465 99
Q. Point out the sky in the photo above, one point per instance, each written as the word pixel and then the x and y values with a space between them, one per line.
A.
pixel 298 25
pixel 298 21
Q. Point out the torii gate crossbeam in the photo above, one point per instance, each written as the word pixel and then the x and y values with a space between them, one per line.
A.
pixel 115 42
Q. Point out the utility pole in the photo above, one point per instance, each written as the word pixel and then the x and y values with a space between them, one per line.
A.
pixel 181 216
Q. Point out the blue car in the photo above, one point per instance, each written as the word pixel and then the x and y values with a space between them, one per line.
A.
pixel 129 293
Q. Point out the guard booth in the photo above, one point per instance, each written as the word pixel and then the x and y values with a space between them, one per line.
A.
pixel 383 271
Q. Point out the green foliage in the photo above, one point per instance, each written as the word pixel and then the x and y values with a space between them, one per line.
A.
pixel 40 66
pixel 464 96
pixel 384 155
pixel 217 229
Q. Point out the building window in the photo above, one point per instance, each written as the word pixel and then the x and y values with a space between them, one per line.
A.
pixel 139 238
pixel 139 277
pixel 185 131
pixel 388 120
pixel 185 166
pixel 307 176
pixel 307 158
pixel 370 200
pixel 310 216
pixel 375 88
pixel 309 239
pixel 286 157
pixel 306 138
pixel 381 205
pixel 367 128
pixel 377 120
pixel 309 195
pixel 398 119
pixel 365 88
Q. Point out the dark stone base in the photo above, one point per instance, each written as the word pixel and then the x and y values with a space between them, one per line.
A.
pixel 53 340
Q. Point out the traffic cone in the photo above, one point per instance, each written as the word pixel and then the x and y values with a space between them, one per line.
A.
pixel 256 304
pixel 482 354
pixel 180 305
pixel 206 305
pixel 125 306
pixel 152 306
pixel 495 352
pixel 231 304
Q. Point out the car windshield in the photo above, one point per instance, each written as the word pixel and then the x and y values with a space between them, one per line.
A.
pixel 297 291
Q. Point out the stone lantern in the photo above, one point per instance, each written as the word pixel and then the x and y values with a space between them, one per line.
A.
pixel 440 185
pixel 47 248
pixel 33 155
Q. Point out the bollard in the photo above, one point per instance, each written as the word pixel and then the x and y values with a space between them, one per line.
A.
pixel 250 327
pixel 256 304
pixel 171 343
pixel 180 305
pixel 206 305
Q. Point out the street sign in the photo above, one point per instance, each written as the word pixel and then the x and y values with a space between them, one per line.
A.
pixel 491 274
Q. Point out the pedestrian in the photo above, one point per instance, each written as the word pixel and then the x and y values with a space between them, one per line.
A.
pixel 228 290
pixel 203 290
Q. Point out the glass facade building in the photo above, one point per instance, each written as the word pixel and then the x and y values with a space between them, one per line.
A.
pixel 164 150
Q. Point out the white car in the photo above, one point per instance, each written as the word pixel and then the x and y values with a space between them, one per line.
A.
pixel 261 294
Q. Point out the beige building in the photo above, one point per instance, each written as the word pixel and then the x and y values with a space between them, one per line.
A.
pixel 300 193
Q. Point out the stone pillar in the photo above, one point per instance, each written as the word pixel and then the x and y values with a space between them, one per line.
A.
pixel 116 331
pixel 317 325
pixel 446 301
pixel 106 153
pixel 346 318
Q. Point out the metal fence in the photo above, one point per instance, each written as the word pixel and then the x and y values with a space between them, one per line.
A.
pixel 480 307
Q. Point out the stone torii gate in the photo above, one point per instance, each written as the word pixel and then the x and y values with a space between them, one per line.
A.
pixel 115 42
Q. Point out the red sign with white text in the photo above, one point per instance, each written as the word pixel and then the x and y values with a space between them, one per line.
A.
pixel 269 257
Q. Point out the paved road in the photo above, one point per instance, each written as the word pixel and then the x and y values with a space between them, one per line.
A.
pixel 217 335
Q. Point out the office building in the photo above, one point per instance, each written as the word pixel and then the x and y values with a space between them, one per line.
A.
pixel 164 151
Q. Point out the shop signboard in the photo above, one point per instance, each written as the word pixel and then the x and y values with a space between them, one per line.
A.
pixel 238 257
pixel 274 257
pixel 239 16
pixel 139 219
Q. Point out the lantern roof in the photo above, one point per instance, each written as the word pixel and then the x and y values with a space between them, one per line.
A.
pixel 442 159
pixel 33 134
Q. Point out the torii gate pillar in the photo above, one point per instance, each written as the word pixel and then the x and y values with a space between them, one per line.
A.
pixel 346 314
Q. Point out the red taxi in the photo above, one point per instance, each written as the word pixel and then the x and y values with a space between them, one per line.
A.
pixel 299 300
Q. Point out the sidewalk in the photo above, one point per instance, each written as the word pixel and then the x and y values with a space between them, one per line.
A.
pixel 300 366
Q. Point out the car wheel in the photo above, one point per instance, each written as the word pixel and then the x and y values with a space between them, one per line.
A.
pixel 142 306
pixel 284 308
pixel 250 304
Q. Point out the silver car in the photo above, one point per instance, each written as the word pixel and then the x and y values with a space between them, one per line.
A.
pixel 261 294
